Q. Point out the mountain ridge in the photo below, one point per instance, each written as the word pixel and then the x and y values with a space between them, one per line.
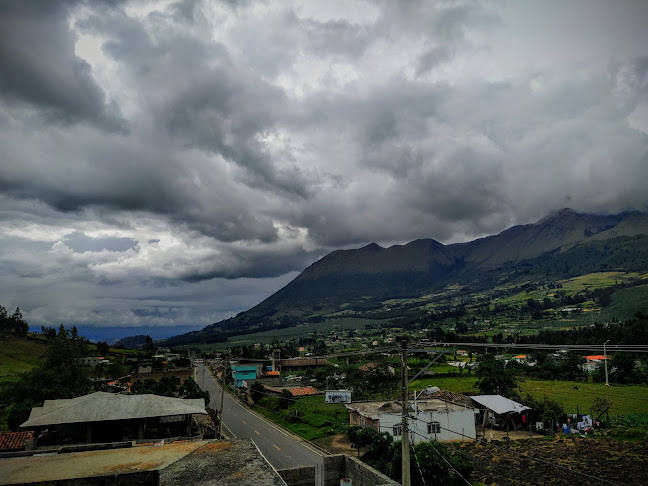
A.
pixel 363 277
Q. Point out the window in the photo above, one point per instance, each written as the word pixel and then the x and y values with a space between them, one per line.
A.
pixel 397 430
pixel 434 428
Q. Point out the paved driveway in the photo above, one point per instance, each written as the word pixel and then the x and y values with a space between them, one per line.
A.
pixel 281 449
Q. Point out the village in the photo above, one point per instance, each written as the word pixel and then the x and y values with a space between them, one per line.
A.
pixel 323 399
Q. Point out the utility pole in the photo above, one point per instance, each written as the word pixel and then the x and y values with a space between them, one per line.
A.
pixel 607 383
pixel 404 420
pixel 220 418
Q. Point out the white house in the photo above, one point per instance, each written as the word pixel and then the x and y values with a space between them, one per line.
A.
pixel 593 361
pixel 428 419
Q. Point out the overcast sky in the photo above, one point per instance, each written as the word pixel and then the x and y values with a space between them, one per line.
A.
pixel 171 164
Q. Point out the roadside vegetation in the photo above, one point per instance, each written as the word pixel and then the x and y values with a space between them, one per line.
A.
pixel 308 417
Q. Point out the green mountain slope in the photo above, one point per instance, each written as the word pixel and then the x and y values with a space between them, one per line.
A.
pixel 19 354
pixel 561 245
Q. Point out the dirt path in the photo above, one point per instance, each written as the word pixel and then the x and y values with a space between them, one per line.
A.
pixel 336 444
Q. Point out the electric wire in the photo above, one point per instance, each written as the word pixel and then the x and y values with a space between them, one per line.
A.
pixel 417 462
pixel 440 455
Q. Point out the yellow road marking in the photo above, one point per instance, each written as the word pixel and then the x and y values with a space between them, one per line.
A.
pixel 256 433
pixel 244 422
pixel 276 446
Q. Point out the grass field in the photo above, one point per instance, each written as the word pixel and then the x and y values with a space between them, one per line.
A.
pixel 292 333
pixel 625 398
pixel 625 302
pixel 313 418
pixel 19 354
pixel 571 286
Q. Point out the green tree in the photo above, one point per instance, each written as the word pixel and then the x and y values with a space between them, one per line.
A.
pixel 148 344
pixel 286 399
pixel 428 460
pixel 380 450
pixel 257 391
pixel 190 389
pixel 429 464
pixel 572 367
pixel 495 377
pixel 115 370
pixel 102 348
pixel 363 436
pixel 61 375
pixel 552 412
pixel 624 368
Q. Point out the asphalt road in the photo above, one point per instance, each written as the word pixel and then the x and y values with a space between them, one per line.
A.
pixel 281 450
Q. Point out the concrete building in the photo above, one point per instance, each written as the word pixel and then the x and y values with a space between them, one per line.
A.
pixel 429 419
pixel 243 372
pixel 107 417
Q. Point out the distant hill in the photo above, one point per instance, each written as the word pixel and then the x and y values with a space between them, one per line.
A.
pixel 131 342
pixel 561 245
pixel 19 354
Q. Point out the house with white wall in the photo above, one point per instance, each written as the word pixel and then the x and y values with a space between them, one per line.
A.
pixel 428 419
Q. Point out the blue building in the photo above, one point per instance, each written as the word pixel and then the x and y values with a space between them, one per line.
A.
pixel 243 372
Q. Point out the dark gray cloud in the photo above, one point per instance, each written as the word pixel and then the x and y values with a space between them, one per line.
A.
pixel 41 69
pixel 174 163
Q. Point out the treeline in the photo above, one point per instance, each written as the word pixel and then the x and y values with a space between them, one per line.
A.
pixel 169 386
pixel 61 375
pixel 13 323
pixel 632 331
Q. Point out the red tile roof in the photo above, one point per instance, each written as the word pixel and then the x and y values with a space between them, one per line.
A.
pixel 596 357
pixel 303 391
pixel 15 441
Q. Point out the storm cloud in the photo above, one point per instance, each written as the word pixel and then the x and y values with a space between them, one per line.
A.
pixel 173 163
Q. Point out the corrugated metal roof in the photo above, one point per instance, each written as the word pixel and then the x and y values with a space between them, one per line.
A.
pixel 499 404
pixel 102 406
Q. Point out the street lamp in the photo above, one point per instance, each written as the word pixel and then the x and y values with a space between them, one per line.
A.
pixel 607 383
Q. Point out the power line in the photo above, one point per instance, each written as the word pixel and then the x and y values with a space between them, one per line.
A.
pixel 441 456
pixel 418 466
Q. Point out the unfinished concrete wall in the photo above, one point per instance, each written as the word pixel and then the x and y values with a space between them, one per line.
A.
pixel 337 467
pixel 361 474
pixel 298 476
pixel 142 478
